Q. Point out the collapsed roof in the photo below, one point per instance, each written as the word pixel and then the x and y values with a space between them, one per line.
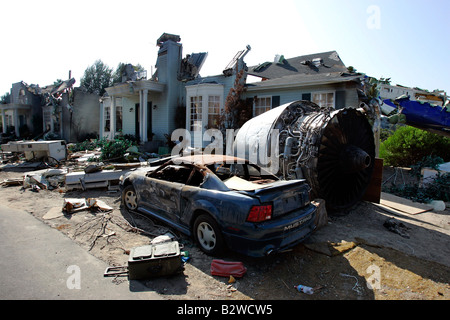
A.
pixel 60 87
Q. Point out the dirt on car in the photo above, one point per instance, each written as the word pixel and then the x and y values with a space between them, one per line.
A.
pixel 354 256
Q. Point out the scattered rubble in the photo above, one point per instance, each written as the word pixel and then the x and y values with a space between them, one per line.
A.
pixel 110 235
pixel 72 205
pixel 54 166
pixel 331 248
pixel 54 150
pixel 397 227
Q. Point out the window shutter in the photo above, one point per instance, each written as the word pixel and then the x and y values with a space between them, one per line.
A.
pixel 340 100
pixel 275 101
pixel 306 96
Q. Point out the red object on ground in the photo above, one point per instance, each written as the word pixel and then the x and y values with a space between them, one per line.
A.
pixel 227 268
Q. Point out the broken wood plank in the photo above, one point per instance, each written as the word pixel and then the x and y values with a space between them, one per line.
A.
pixel 402 204
pixel 12 182
pixel 101 179
pixel 53 213
pixel 331 248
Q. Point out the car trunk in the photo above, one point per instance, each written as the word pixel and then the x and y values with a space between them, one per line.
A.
pixel 285 196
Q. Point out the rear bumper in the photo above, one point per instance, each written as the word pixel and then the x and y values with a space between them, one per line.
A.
pixel 273 236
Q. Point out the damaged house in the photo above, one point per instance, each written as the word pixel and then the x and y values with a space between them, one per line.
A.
pixel 175 96
pixel 59 110
pixel 152 108
pixel 80 115
pixel 321 78
pixel 69 113
pixel 145 107
pixel 22 114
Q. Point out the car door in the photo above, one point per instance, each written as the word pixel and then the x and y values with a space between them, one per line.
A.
pixel 163 191
pixel 189 194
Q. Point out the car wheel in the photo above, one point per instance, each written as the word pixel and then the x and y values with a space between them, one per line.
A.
pixel 207 234
pixel 129 198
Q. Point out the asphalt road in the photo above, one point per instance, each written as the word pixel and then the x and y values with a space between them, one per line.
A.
pixel 40 263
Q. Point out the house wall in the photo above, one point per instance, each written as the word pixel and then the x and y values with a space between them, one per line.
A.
pixel 226 82
pixel 204 91
pixel 21 95
pixel 85 115
pixel 350 96
pixel 168 65
pixel 219 85
pixel 128 115
pixel 161 119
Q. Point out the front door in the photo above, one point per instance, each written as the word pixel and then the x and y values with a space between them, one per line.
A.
pixel 149 121
pixel 137 122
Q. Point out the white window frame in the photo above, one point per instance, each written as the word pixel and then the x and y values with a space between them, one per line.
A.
pixel 214 110
pixel 261 104
pixel 9 120
pixel 118 106
pixel 106 117
pixel 205 91
pixel 195 104
pixel 327 103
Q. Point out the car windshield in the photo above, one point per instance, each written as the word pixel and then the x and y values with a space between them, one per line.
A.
pixel 173 173
pixel 235 176
pixel 184 174
pixel 246 171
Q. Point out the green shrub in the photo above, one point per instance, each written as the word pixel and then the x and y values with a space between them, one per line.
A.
pixel 110 149
pixel 409 145
pixel 438 189
pixel 385 134
pixel 431 161
pixel 89 145
pixel 115 149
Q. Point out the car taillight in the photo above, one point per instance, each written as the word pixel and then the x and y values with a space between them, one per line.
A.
pixel 260 213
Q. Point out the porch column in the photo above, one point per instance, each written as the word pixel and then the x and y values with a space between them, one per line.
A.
pixel 52 123
pixel 102 119
pixel 16 121
pixel 144 115
pixel 112 126
pixel 43 119
pixel 141 115
pixel 141 98
pixel 3 120
pixel 61 126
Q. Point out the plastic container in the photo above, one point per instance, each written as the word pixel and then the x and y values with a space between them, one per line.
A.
pixel 304 289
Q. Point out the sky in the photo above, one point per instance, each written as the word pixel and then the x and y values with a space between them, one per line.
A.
pixel 405 40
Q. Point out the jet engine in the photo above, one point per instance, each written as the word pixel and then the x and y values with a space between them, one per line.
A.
pixel 334 150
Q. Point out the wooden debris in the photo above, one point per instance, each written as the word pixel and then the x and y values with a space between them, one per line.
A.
pixel 53 213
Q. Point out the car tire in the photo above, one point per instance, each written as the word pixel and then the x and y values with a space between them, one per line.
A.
pixel 129 198
pixel 207 234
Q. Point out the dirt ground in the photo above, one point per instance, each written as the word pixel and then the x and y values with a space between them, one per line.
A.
pixel 353 257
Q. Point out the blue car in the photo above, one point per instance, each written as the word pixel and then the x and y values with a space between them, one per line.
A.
pixel 223 202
